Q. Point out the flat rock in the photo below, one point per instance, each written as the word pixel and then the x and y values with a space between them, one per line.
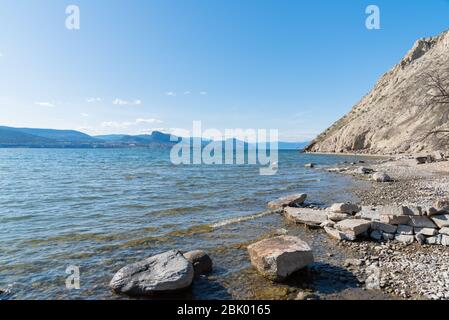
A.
pixel 426 231
pixel 168 271
pixel 347 207
pixel 421 222
pixel 310 217
pixel 339 235
pixel 441 220
pixel 405 230
pixel 368 214
pixel 354 226
pixel 406 239
pixel 289 201
pixel 394 215
pixel 279 257
pixel 202 263
pixel 384 227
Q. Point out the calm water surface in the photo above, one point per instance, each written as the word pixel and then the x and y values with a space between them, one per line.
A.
pixel 102 209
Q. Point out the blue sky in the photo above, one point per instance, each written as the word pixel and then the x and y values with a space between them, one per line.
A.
pixel 135 66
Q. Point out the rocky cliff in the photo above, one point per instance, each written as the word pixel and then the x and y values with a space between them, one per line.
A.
pixel 404 113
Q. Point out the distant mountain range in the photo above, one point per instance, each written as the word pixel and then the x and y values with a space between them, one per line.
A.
pixel 50 138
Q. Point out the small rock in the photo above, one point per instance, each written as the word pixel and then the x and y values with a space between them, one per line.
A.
pixel 202 263
pixel 421 160
pixel 279 257
pixel 381 177
pixel 292 201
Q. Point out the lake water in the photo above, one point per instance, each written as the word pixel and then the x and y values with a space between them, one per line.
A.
pixel 102 209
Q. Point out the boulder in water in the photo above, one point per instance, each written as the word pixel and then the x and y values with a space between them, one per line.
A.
pixel 202 263
pixel 165 272
pixel 279 257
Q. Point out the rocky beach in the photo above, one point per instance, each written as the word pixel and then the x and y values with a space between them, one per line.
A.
pixel 407 270
pixel 392 244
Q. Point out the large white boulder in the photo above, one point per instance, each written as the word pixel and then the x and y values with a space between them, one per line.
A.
pixel 165 272
pixel 279 257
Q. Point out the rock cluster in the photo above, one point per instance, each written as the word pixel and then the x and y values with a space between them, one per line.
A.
pixel 406 224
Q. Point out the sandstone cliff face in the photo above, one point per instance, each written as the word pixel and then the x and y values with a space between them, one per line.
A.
pixel 398 114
